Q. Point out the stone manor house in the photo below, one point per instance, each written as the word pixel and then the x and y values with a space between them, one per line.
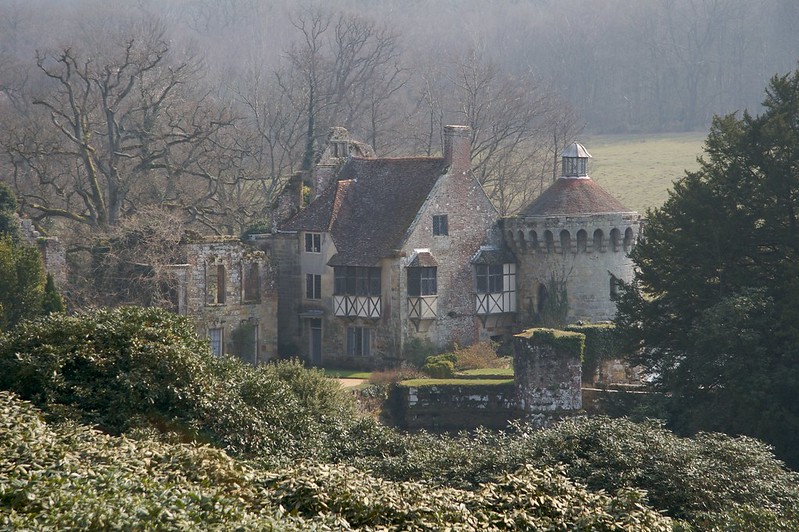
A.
pixel 376 255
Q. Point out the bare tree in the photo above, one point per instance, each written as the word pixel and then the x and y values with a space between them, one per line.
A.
pixel 516 125
pixel 133 263
pixel 108 136
pixel 272 139
pixel 350 71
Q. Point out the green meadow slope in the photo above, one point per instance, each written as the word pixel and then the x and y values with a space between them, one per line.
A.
pixel 640 169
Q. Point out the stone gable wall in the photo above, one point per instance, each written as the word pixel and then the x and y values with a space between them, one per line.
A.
pixel 472 223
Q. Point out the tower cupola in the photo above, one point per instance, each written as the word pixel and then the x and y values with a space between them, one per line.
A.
pixel 574 159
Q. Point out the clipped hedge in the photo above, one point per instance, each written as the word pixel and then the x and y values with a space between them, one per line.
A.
pixel 562 340
pixel 601 344
pixel 440 366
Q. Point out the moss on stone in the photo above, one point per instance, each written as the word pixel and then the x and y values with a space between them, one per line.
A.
pixel 561 340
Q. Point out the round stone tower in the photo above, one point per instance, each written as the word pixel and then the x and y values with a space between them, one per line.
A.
pixel 570 242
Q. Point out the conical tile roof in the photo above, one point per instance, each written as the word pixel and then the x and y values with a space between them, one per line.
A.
pixel 573 196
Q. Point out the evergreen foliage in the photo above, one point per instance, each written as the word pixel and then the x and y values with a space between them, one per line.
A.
pixel 65 476
pixel 287 451
pixel 9 224
pixel 22 282
pixel 136 368
pixel 51 299
pixel 713 307
pixel 601 344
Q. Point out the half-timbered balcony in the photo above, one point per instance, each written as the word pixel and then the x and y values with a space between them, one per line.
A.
pixel 422 307
pixel 357 306
pixel 498 303
pixel 496 289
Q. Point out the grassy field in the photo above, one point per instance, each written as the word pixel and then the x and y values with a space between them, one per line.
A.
pixel 347 374
pixel 418 383
pixel 640 169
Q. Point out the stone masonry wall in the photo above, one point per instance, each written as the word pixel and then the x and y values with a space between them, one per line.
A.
pixel 548 370
pixel 53 253
pixel 472 223
pixel 245 323
pixel 453 407
pixel 547 385
pixel 585 270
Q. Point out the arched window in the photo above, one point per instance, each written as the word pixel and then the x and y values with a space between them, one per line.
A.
pixel 615 239
pixel 582 240
pixel 521 243
pixel 534 240
pixel 565 242
pixel 599 244
pixel 543 297
pixel 549 239
pixel 628 239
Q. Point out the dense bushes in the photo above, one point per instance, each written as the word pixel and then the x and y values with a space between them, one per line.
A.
pixel 133 368
pixel 143 373
pixel 71 477
pixel 711 480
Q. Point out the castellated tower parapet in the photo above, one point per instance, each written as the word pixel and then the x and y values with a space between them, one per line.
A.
pixel 576 238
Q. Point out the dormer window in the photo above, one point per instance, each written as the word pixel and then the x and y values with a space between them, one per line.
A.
pixel 340 149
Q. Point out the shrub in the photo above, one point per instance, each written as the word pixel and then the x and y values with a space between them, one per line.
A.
pixel 72 477
pixel 440 366
pixel 22 281
pixel 416 351
pixel 712 481
pixel 601 344
pixel 703 479
pixel 131 367
pixel 259 226
pixel 479 355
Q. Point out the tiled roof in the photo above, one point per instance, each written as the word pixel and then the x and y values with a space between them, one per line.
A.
pixel 370 206
pixel 493 256
pixel 423 259
pixel 569 196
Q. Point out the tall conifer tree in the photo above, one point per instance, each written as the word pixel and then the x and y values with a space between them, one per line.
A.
pixel 713 310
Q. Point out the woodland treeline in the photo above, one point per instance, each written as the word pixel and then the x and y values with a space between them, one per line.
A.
pixel 203 108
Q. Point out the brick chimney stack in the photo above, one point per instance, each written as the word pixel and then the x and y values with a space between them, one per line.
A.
pixel 457 148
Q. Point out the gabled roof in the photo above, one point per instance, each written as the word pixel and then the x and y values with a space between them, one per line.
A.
pixel 370 206
pixel 423 259
pixel 572 196
pixel 493 255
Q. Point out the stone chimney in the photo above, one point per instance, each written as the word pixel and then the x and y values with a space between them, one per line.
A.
pixel 457 147
pixel 324 176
